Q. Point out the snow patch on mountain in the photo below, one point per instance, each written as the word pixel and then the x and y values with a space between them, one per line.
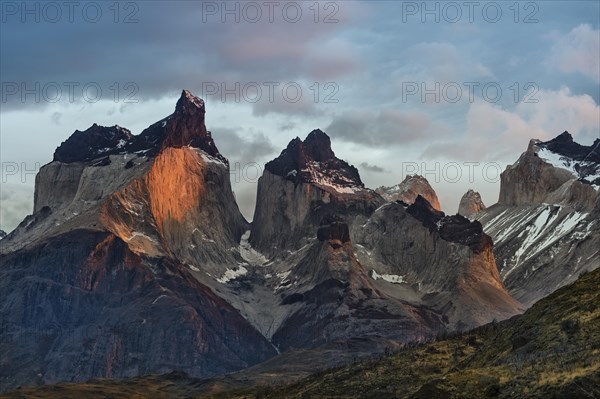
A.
pixel 390 278
pixel 586 169
pixel 249 254
pixel 330 179
pixel 232 274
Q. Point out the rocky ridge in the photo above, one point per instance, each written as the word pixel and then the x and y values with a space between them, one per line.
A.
pixel 545 225
pixel 113 246
pixel 407 191
pixel 138 224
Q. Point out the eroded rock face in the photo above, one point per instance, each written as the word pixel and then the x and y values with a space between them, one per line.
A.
pixel 470 204
pixel 447 262
pixel 392 258
pixel 83 305
pixel 300 187
pixel 333 228
pixel 548 172
pixel 118 238
pixel 407 191
pixel 333 298
pixel 544 225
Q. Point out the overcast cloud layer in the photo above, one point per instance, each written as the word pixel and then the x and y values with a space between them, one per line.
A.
pixel 400 89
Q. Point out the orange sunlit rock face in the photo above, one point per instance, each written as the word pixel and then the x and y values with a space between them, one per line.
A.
pixel 147 212
pixel 175 184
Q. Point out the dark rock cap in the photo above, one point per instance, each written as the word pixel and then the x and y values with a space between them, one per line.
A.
pixel 185 127
pixel 455 228
pixel 95 142
pixel 563 144
pixel 296 160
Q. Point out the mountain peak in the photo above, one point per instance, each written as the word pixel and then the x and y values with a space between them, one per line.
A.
pixel 184 127
pixel 470 204
pixel 564 137
pixel 411 187
pixel 317 146
pixel 558 171
pixel 313 161
pixel 565 146
pixel 189 103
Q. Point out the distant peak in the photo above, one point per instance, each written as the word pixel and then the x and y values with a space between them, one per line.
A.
pixel 470 204
pixel 185 127
pixel 317 146
pixel 414 177
pixel 317 134
pixel 313 160
pixel 407 191
pixel 564 145
pixel 564 137
pixel 189 102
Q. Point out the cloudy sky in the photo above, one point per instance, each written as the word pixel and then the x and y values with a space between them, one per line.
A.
pixel 450 90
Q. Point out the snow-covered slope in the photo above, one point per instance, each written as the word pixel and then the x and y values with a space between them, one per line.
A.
pixel 545 227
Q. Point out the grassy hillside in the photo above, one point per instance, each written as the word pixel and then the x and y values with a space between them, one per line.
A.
pixel 552 351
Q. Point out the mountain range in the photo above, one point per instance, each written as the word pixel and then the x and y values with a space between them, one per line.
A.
pixel 137 261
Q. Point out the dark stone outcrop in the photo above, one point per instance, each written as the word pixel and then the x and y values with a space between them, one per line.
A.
pixel 457 228
pixel 97 141
pixel 564 145
pixel 422 210
pixel 296 161
pixel 462 231
pixel 185 127
pixel 82 305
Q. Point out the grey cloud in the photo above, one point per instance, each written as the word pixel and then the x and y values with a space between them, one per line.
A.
pixel 373 168
pixel 55 118
pixel 161 54
pixel 238 147
pixel 382 129
pixel 16 201
pixel 245 195
pixel 287 126
pixel 298 101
